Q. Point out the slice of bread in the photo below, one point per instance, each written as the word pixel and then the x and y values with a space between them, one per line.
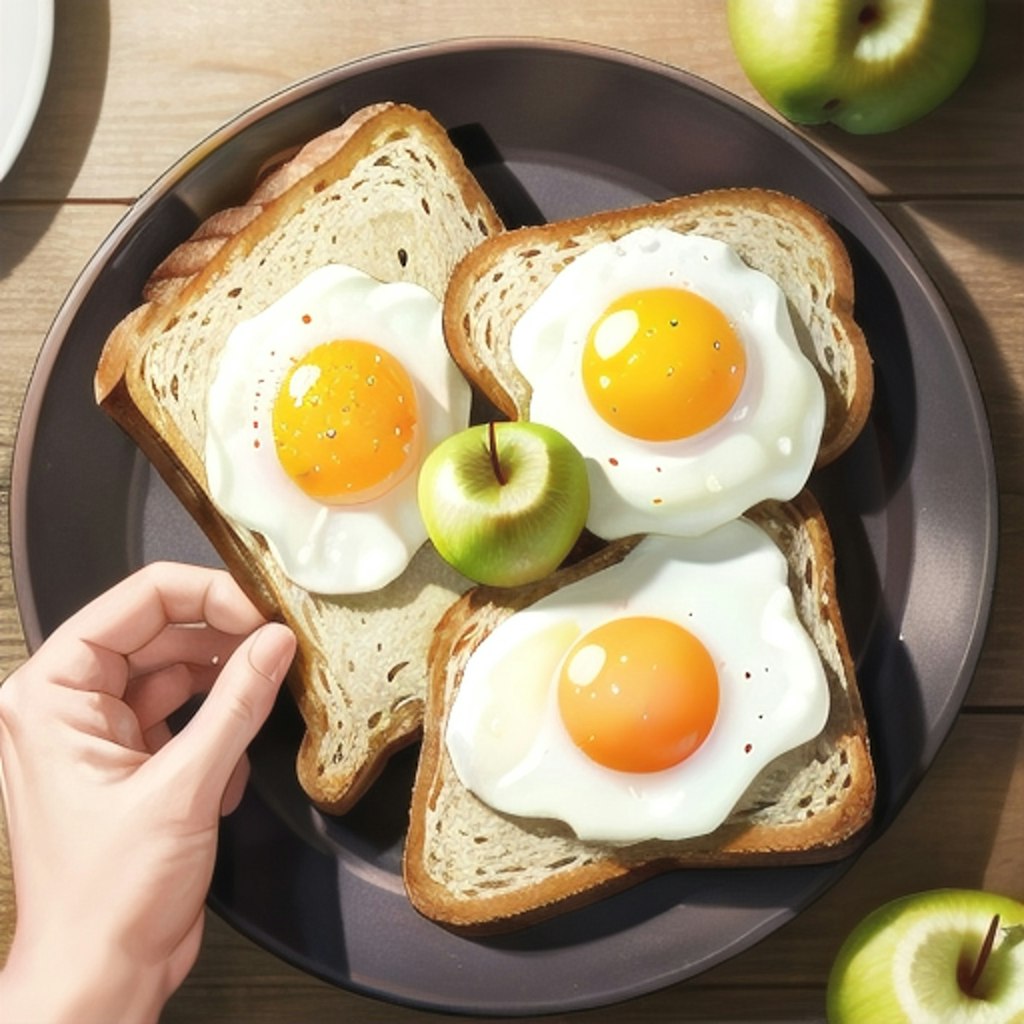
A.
pixel 771 232
pixel 387 193
pixel 475 870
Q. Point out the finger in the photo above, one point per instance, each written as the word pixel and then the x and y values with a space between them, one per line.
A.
pixel 80 665
pixel 157 736
pixel 182 661
pixel 134 611
pixel 82 652
pixel 236 786
pixel 206 751
pixel 90 713
pixel 188 649
pixel 158 695
pixel 193 644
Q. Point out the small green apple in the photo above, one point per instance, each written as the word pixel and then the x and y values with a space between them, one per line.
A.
pixel 865 66
pixel 948 956
pixel 504 502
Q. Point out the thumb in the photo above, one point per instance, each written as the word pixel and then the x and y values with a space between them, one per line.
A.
pixel 209 748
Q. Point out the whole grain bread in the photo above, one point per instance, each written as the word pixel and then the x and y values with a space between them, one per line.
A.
pixel 385 192
pixel 473 869
pixel 777 234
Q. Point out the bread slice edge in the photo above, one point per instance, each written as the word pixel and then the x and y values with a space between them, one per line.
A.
pixel 770 231
pixel 443 814
pixel 185 278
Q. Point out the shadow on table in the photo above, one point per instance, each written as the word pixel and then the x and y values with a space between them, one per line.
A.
pixel 56 148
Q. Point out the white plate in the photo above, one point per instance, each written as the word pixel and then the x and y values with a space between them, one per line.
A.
pixel 26 41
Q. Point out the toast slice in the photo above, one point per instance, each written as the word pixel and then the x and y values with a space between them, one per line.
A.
pixel 775 233
pixel 473 869
pixel 387 193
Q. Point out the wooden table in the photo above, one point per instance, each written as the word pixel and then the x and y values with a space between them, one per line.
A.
pixel 135 83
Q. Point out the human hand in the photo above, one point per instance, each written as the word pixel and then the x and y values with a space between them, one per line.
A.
pixel 112 820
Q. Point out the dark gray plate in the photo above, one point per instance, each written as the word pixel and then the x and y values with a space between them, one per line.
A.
pixel 551 130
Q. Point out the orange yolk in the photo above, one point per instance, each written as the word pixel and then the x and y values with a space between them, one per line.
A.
pixel 344 422
pixel 638 694
pixel 662 364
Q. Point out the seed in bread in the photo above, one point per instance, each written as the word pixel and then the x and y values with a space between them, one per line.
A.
pixel 476 870
pixel 781 236
pixel 388 194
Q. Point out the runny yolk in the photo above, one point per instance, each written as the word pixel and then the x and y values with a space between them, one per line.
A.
pixel 344 422
pixel 662 364
pixel 638 694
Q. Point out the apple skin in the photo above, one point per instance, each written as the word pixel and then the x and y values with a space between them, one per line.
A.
pixel 509 531
pixel 866 67
pixel 942 931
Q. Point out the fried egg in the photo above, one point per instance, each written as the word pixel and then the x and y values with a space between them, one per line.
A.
pixel 640 702
pixel 675 369
pixel 322 408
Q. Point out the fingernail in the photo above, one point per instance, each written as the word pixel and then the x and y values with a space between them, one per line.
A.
pixel 272 650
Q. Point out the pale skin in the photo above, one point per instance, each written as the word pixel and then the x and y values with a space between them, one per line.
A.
pixel 113 821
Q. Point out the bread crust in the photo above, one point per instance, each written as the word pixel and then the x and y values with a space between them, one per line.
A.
pixel 358 678
pixel 788 239
pixel 449 824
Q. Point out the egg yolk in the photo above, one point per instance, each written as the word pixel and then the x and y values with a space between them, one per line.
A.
pixel 638 694
pixel 662 364
pixel 344 422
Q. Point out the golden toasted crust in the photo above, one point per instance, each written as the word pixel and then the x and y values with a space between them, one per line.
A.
pixel 776 233
pixel 475 870
pixel 191 256
pixel 387 193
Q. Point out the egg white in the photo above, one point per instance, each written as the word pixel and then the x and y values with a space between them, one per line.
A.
pixel 509 745
pixel 330 549
pixel 764 447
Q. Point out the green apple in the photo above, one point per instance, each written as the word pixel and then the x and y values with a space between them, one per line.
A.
pixel 865 66
pixel 504 502
pixel 948 956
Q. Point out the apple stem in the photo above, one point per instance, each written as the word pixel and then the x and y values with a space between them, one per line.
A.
pixel 983 956
pixel 869 14
pixel 492 438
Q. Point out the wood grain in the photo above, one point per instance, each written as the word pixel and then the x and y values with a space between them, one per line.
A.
pixel 137 83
